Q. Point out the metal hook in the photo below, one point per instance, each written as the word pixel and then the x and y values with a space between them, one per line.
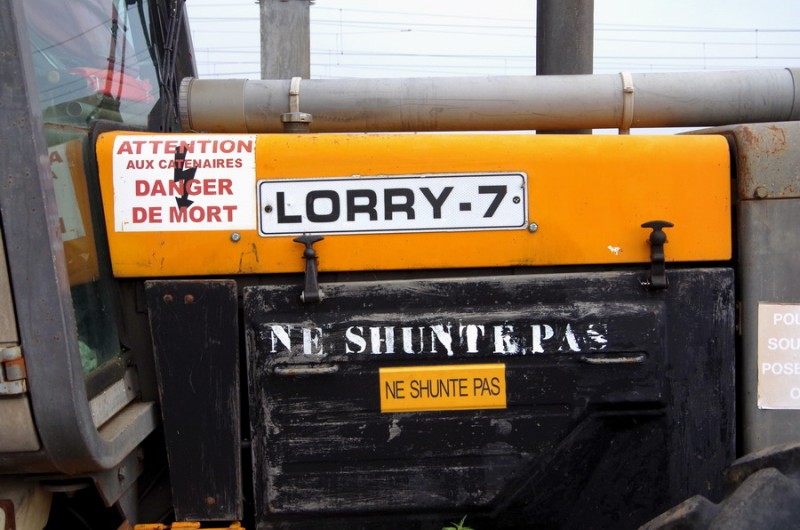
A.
pixel 311 293
pixel 658 271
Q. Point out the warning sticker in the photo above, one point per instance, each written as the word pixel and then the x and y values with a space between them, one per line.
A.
pixel 184 182
pixel 445 387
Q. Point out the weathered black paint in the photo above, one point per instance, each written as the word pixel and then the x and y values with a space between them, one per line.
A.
pixel 196 345
pixel 582 444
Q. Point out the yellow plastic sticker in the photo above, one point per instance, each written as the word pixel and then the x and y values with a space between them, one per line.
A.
pixel 450 387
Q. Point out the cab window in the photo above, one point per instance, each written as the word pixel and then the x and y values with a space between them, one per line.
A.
pixel 92 60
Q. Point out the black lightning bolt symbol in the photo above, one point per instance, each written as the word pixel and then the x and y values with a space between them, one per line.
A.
pixel 185 175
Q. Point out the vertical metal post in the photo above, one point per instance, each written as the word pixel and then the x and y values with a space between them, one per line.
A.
pixel 285 39
pixel 565 39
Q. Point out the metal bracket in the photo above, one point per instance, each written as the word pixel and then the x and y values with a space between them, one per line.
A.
pixel 657 279
pixel 13 375
pixel 311 293
pixel 116 484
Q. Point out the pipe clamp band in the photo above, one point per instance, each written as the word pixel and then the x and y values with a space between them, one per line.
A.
pixel 627 103
pixel 294 95
pixel 295 121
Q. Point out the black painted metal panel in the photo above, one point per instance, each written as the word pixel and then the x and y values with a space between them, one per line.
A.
pixel 620 400
pixel 196 344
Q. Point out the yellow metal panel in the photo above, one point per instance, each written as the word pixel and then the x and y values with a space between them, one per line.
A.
pixel 191 525
pixel 447 387
pixel 588 196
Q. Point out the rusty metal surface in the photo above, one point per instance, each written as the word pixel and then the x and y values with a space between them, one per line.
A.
pixel 766 159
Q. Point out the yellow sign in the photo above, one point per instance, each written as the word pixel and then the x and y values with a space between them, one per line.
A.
pixel 451 387
pixel 186 205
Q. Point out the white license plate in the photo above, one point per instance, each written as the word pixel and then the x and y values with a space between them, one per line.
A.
pixel 407 203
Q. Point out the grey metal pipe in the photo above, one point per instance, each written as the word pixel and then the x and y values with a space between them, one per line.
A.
pixel 693 99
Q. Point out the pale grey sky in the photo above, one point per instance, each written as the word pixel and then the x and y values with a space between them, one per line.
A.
pixel 412 38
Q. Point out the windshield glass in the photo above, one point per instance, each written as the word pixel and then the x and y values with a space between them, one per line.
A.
pixel 92 59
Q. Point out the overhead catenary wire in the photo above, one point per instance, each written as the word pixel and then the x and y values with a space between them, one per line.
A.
pixel 685 46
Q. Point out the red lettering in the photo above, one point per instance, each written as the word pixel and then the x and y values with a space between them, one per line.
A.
pixel 156 146
pixel 179 187
pixel 158 188
pixel 139 214
pixel 229 209
pixel 131 147
pixel 177 215
pixel 194 187
pixel 213 214
pixel 202 214
pixel 125 148
pixel 142 188
pixel 151 214
pixel 140 164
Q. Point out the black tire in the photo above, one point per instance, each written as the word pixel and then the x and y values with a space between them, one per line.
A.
pixel 763 493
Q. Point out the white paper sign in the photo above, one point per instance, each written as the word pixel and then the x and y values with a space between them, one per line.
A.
pixel 184 182
pixel 778 356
